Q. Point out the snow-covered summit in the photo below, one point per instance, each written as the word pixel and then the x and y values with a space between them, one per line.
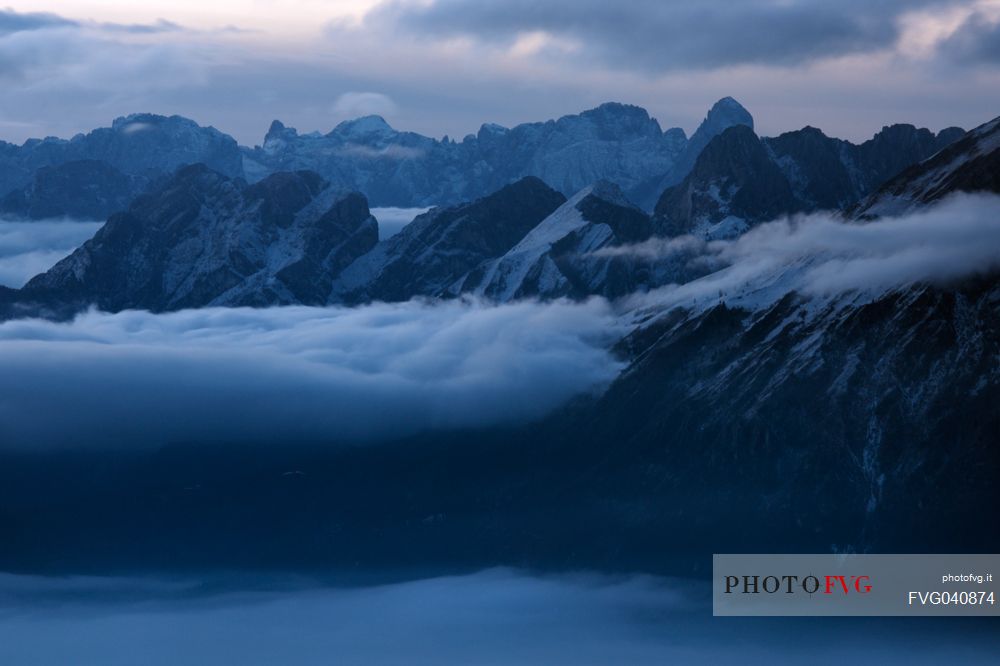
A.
pixel 372 126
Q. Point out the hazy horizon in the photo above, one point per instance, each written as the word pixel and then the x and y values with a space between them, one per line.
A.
pixel 446 67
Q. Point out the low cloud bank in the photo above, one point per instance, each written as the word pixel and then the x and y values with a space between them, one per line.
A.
pixel 295 374
pixel 28 248
pixel 821 255
pixel 498 616
pixel 394 152
pixel 387 370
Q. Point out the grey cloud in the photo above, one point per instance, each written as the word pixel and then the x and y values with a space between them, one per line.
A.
pixel 354 104
pixel 287 374
pixel 393 152
pixel 162 25
pixel 228 83
pixel 977 40
pixel 656 248
pixel 822 255
pixel 70 59
pixel 11 21
pixel 28 248
pixel 666 35
pixel 491 618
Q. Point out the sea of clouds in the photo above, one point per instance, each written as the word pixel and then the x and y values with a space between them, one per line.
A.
pixel 28 248
pixel 382 371
pixel 493 617
pixel 822 255
pixel 289 374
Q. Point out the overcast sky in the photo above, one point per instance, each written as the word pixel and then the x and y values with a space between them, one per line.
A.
pixel 446 66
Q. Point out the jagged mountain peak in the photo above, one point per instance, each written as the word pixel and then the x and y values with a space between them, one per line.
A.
pixel 734 184
pixel 901 138
pixel 725 113
pixel 971 164
pixel 613 107
pixel 950 135
pixel 492 128
pixel 442 246
pixel 138 124
pixel 278 130
pixel 135 151
pixel 364 126
pixel 617 110
pixel 618 120
pixel 808 130
pixel 615 141
pixel 202 238
pixel 898 131
pixel 560 256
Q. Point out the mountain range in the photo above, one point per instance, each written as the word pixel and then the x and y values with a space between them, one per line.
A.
pixel 94 175
pixel 765 417
pixel 204 239
pixel 740 179
pixel 523 240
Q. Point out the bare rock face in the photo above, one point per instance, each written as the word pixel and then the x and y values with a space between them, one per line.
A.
pixel 81 189
pixel 565 255
pixel 206 239
pixel 439 248
pixel 971 164
pixel 734 184
pixel 740 180
pixel 616 142
pixel 143 144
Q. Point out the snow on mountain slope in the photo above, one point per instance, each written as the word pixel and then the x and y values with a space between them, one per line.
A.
pixel 971 164
pixel 444 244
pixel 205 239
pixel 820 358
pixel 560 256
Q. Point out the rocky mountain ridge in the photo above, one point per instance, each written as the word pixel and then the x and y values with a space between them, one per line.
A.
pixel 756 418
pixel 740 179
pixel 615 142
pixel 92 174
pixel 204 239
